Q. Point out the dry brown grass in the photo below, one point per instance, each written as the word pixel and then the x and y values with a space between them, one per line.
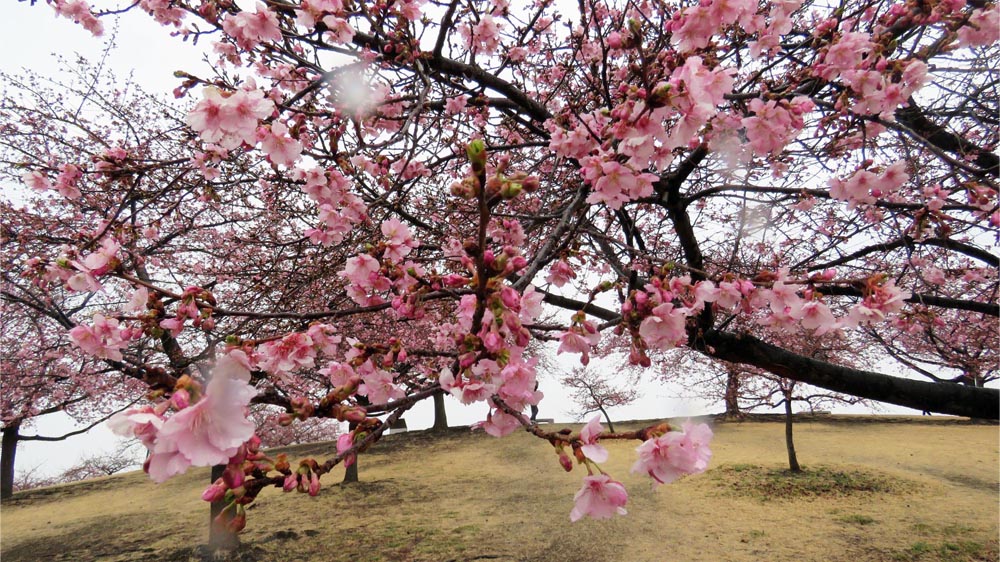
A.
pixel 903 492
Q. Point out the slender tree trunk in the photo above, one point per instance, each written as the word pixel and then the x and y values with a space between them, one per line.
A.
pixel 793 461
pixel 733 396
pixel 611 426
pixel 351 473
pixel 534 407
pixel 8 450
pixel 440 415
pixel 220 537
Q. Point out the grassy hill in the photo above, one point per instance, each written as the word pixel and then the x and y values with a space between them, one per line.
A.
pixel 900 489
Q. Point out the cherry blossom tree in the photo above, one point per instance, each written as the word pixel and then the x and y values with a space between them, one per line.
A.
pixel 593 392
pixel 370 204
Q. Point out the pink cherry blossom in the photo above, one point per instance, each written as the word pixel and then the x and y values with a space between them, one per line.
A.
pixel 589 435
pixel 617 184
pixel 665 328
pixel 282 149
pixel 817 316
pixel 599 498
pixel 560 273
pixel 484 35
pixel 360 269
pixel 103 339
pixel 291 352
pixel 456 104
pixel 209 431
pixel 983 27
pixel 531 304
pixel 79 12
pixel 141 423
pixel 675 454
pixel 579 339
pixel 36 180
pixel 378 386
pixel 400 240
pixel 339 30
pixel 499 424
pixel 250 28
pixel 229 120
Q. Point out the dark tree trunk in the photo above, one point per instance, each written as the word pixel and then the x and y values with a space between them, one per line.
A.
pixel 607 418
pixel 351 473
pixel 220 536
pixel 8 450
pixel 534 407
pixel 793 461
pixel 733 396
pixel 440 415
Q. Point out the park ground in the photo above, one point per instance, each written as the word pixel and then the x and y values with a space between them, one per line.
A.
pixel 874 489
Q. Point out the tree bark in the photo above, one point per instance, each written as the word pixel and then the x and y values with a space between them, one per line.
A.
pixel 351 472
pixel 220 537
pixel 440 415
pixel 8 450
pixel 944 398
pixel 607 418
pixel 793 461
pixel 733 396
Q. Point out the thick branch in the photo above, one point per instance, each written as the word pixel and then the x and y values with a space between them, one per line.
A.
pixel 954 399
pixel 914 118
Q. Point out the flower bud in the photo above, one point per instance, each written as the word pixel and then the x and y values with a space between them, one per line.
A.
pixel 510 190
pixel 615 40
pixel 239 521
pixel 494 186
pixel 291 481
pixel 180 399
pixel 314 485
pixel 281 464
pixel 565 461
pixel 510 298
pixel 455 280
pixel 476 151
pixel 215 492
pixel 233 476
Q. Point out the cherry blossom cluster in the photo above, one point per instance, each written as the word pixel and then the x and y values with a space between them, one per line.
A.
pixel 865 187
pixel 187 309
pixel 230 119
pixel 66 182
pixel 80 12
pixel 208 426
pixel 103 339
pixel 76 272
pixel 491 361
pixel 658 315
pixel 339 209
pixel 370 276
pixel 664 455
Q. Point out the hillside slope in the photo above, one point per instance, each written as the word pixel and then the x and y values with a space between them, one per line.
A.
pixel 466 496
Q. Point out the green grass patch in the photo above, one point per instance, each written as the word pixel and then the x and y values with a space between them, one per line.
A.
pixel 769 483
pixel 948 551
pixel 857 519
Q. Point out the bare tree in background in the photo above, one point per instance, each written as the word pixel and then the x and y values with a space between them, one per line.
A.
pixel 592 392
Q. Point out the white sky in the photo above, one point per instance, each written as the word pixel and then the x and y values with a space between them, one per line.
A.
pixel 33 36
